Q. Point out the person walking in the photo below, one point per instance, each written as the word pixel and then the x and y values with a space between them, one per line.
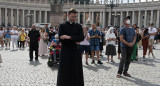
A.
pixel 33 36
pixel 145 39
pixel 94 43
pixel 70 72
pixel 128 39
pixel 111 42
pixel 152 32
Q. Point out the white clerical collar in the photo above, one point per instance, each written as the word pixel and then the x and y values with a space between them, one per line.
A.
pixel 71 22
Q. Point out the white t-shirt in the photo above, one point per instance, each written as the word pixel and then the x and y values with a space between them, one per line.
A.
pixel 111 35
pixel 1 33
pixel 85 41
pixel 13 32
pixel 152 30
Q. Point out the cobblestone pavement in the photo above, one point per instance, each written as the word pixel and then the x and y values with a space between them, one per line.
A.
pixel 16 70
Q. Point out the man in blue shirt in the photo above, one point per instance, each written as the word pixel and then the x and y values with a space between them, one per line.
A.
pixel 7 35
pixel 127 38
pixel 94 42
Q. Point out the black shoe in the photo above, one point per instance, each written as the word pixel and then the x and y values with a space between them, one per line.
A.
pixel 31 60
pixel 136 59
pixel 36 60
pixel 92 62
pixel 99 62
pixel 87 63
pixel 131 59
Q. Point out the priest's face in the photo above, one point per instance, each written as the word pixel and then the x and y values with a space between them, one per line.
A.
pixel 72 17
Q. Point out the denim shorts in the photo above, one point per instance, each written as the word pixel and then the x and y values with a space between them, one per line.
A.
pixel 84 48
pixel 94 47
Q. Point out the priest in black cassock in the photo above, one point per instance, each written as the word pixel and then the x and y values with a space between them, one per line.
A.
pixel 70 72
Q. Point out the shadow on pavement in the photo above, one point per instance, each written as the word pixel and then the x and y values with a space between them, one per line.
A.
pixel 114 64
pixel 44 57
pixel 96 67
pixel 35 63
pixel 147 62
pixel 136 81
pixel 54 67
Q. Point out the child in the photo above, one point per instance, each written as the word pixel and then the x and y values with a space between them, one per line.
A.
pixel 55 42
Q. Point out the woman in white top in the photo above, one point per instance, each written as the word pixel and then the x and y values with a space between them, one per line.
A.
pixel 42 43
pixel 110 44
pixel 14 37
pixel 1 36
pixel 85 45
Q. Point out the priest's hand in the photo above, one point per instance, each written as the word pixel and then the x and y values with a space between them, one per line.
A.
pixel 65 37
pixel 78 43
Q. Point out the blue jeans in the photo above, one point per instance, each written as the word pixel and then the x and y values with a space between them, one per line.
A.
pixel 94 47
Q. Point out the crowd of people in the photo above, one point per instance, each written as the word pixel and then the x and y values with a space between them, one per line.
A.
pixel 77 39
pixel 95 39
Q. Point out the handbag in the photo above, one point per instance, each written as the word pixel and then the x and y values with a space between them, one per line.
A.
pixel 0 58
pixel 19 38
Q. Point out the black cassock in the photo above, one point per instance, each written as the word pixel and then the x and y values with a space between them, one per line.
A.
pixel 70 72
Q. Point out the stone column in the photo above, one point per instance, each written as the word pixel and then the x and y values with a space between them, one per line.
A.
pixel 78 17
pixel 139 19
pixel 145 19
pixel 6 19
pixel 104 18
pixel 34 17
pixel 29 18
pixel 133 17
pixel 101 18
pixel 115 18
pixel 45 16
pixel 121 19
pixel 92 17
pixel 151 21
pixel 40 16
pixel 23 20
pixel 84 18
pixel 127 13
pixel 109 19
pixel 157 22
pixel 0 17
pixel 17 17
pixel 12 18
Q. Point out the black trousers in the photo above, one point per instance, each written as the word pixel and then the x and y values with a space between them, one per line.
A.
pixel 22 44
pixel 18 43
pixel 33 47
pixel 126 59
